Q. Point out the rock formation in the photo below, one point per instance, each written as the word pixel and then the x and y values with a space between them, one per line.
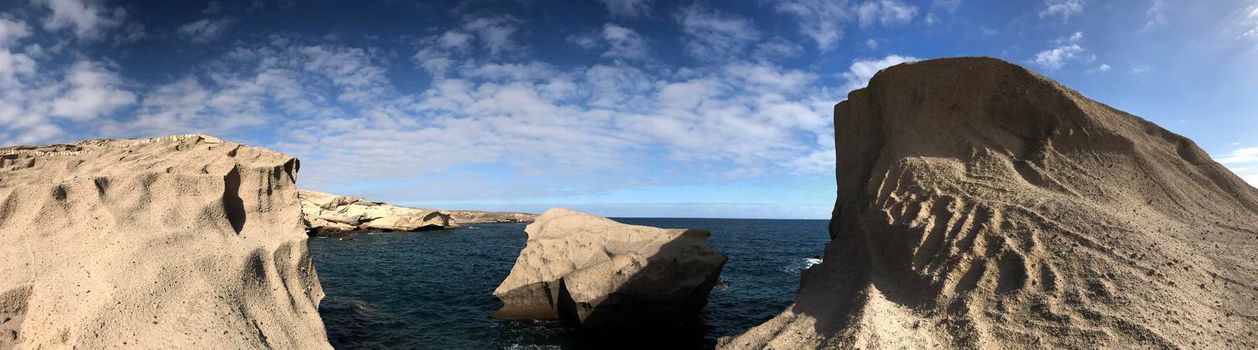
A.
pixel 983 206
pixel 328 214
pixel 463 217
pixel 601 273
pixel 176 242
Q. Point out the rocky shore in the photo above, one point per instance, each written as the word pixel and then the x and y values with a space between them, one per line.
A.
pixel 327 214
pixel 173 242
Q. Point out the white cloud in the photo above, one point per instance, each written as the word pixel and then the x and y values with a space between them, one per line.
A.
pixel 87 19
pixel 1244 162
pixel 11 31
pixel 1155 16
pixel 861 71
pixel 92 91
pixel 820 20
pixel 205 30
pixel 1241 156
pixel 628 8
pixel 1068 49
pixel 620 43
pixel 711 35
pixel 1249 23
pixel 494 32
pixel 886 12
pixel 624 43
pixel 1063 8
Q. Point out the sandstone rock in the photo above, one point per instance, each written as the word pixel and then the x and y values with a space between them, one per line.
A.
pixel 983 206
pixel 175 242
pixel 330 214
pixel 601 273
pixel 463 217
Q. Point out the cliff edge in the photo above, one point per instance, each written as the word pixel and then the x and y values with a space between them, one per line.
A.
pixel 174 242
pixel 981 205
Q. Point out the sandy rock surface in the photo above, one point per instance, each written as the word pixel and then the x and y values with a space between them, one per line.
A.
pixel 601 273
pixel 178 242
pixel 331 214
pixel 983 206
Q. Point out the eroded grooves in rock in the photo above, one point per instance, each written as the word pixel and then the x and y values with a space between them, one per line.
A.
pixel 174 242
pixel 600 273
pixel 983 206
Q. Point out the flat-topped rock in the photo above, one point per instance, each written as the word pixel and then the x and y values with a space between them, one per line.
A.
pixel 600 273
pixel 173 242
pixel 332 214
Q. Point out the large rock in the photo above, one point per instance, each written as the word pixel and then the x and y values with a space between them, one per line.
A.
pixel 176 242
pixel 332 214
pixel 601 273
pixel 983 206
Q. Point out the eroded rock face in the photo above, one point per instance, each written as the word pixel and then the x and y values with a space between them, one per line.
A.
pixel 601 273
pixel 176 242
pixel 983 206
pixel 329 214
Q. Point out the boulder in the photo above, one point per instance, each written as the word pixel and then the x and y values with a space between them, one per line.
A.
pixel 328 214
pixel 173 242
pixel 981 205
pixel 600 273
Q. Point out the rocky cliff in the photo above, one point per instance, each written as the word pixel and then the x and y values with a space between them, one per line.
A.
pixel 176 242
pixel 329 214
pixel 983 206
pixel 600 273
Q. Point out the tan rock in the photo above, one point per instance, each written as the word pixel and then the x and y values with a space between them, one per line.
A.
pixel 175 242
pixel 328 213
pixel 983 206
pixel 489 217
pixel 601 273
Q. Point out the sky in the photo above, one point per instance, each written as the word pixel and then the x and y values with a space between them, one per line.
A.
pixel 619 107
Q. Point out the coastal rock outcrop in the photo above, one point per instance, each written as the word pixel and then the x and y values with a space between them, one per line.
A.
pixel 600 273
pixel 463 217
pixel 328 214
pixel 174 242
pixel 981 205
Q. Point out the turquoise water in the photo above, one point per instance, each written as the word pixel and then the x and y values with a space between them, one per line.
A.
pixel 433 290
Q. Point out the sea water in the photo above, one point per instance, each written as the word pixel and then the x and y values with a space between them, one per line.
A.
pixel 433 290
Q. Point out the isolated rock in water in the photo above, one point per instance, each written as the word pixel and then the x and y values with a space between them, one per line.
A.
pixel 601 273
pixel 463 217
pixel 983 206
pixel 330 214
pixel 175 242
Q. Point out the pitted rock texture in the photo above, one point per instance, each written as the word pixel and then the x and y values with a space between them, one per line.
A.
pixel 981 205
pixel 174 242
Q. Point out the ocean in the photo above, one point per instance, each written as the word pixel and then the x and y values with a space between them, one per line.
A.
pixel 433 290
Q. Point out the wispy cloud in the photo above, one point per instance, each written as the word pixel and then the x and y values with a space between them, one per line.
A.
pixel 713 35
pixel 86 19
pixel 886 12
pixel 1061 8
pixel 820 20
pixel 628 8
pixel 205 30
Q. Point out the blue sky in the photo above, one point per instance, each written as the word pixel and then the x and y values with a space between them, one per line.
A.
pixel 620 107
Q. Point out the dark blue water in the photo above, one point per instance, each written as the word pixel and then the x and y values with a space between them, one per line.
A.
pixel 433 290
